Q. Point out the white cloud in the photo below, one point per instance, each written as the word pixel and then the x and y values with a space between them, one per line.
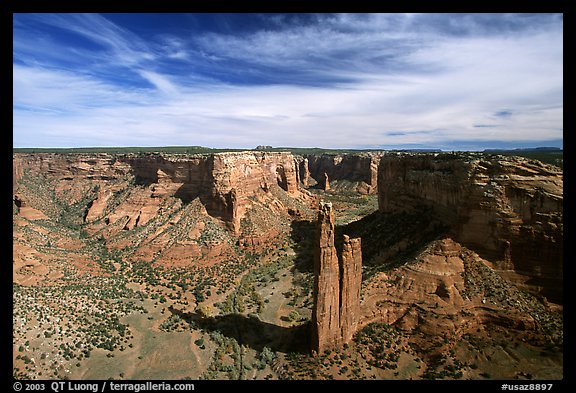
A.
pixel 161 82
pixel 394 85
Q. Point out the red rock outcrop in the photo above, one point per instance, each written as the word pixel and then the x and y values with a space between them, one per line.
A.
pixel 351 283
pixel 448 291
pixel 337 284
pixel 508 209
pixel 326 182
pixel 26 211
pixel 326 311
pixel 167 208
pixel 246 173
pixel 304 171
pixel 71 175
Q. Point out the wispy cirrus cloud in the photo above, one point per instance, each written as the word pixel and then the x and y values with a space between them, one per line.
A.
pixel 315 80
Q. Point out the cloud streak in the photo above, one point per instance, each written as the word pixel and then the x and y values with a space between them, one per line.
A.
pixel 342 81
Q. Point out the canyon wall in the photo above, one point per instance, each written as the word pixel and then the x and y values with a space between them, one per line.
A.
pixel 508 209
pixel 224 182
pixel 337 284
pixel 67 167
pixel 361 168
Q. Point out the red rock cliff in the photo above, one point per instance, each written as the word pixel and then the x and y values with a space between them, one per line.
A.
pixel 224 182
pixel 508 209
pixel 361 168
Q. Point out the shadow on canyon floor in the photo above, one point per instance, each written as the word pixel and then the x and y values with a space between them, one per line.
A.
pixel 387 241
pixel 251 331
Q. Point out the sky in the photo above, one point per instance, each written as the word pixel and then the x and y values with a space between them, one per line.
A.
pixel 350 81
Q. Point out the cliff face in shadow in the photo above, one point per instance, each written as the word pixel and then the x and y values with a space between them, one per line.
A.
pixel 358 168
pixel 508 209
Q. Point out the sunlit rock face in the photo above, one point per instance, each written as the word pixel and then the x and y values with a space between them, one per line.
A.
pixel 351 282
pixel 337 285
pixel 177 204
pixel 326 311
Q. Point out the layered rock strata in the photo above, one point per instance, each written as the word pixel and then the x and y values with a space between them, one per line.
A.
pixel 326 311
pixel 337 286
pixel 449 291
pixel 224 182
pixel 361 168
pixel 350 284
pixel 508 209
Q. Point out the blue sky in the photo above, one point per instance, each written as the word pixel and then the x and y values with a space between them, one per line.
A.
pixel 446 81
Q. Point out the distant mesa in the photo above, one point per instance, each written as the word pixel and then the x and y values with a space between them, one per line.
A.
pixel 526 149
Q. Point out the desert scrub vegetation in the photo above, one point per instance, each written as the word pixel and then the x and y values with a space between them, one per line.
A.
pixel 350 205
pixel 380 345
pixel 227 361
pixel 200 281
pixel 60 325
pixel 246 299
pixel 344 363
pixel 480 280
pixel 441 366
pixel 391 240
pixel 73 214
pixel 39 193
pixel 175 323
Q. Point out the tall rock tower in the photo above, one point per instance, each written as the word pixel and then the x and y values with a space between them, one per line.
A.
pixel 350 283
pixel 336 286
pixel 326 310
pixel 326 184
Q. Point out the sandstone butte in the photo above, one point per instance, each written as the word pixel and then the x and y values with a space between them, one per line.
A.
pixel 337 286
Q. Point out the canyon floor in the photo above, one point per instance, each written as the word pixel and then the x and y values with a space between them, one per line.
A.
pixel 178 296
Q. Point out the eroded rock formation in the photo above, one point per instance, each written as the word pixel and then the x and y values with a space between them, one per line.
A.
pixel 304 171
pixel 326 182
pixel 337 285
pixel 449 291
pixel 224 181
pixel 508 209
pixel 326 311
pixel 174 209
pixel 360 168
pixel 351 282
